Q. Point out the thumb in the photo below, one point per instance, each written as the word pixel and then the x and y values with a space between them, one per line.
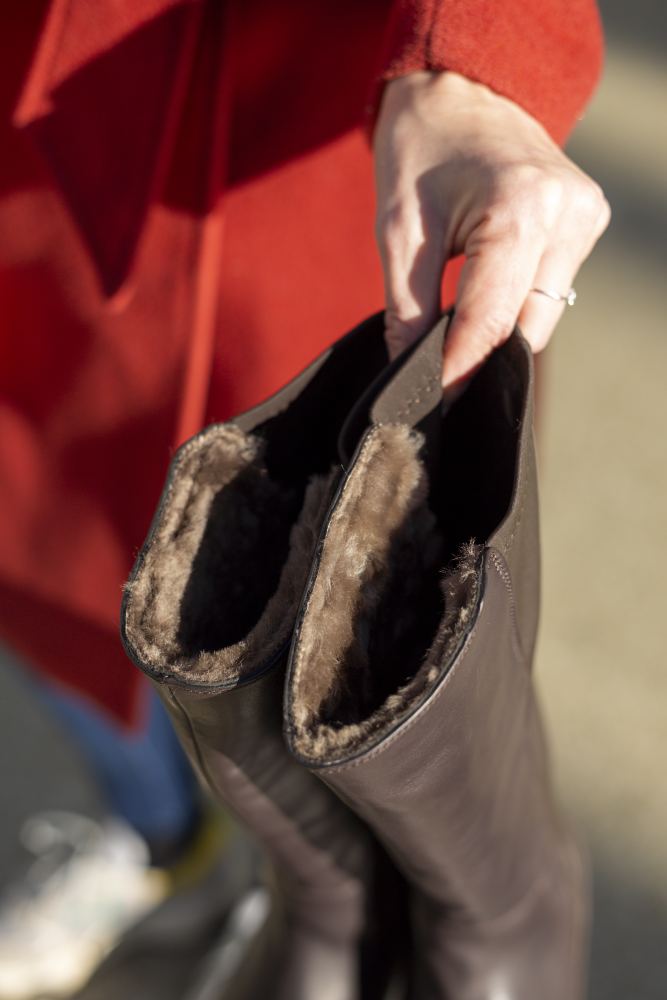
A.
pixel 412 264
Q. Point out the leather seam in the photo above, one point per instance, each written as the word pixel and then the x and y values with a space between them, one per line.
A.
pixel 504 575
pixel 457 666
pixel 195 742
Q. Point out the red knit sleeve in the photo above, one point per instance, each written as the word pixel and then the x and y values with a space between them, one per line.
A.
pixel 545 55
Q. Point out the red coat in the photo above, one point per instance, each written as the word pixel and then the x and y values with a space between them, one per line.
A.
pixel 185 219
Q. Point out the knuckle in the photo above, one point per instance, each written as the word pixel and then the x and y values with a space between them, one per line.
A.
pixel 591 202
pixel 540 185
pixel 530 198
pixel 399 333
pixel 395 324
pixel 540 189
pixel 549 195
pixel 604 217
pixel 487 331
pixel 531 202
pixel 508 220
pixel 393 225
pixel 388 224
pixel 497 328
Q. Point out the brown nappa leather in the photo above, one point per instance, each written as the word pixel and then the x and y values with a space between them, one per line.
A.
pixel 208 614
pixel 409 688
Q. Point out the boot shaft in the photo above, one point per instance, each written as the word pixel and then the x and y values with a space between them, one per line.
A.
pixel 409 687
pixel 208 614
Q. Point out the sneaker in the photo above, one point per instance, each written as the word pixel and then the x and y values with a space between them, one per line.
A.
pixel 88 885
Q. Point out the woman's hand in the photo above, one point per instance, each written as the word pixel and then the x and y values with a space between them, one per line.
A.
pixel 461 170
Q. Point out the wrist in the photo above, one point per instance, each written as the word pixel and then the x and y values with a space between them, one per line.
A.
pixel 449 97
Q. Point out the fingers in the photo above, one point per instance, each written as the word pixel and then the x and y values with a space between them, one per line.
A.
pixel 460 170
pixel 495 282
pixel 539 315
pixel 413 261
pixel 502 268
pixel 556 272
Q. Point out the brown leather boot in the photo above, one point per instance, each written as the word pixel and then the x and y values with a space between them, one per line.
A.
pixel 409 688
pixel 208 614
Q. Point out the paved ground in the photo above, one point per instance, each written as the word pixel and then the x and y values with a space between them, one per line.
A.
pixel 604 475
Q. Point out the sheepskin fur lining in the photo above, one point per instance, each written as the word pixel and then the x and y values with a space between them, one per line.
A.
pixel 381 619
pixel 219 586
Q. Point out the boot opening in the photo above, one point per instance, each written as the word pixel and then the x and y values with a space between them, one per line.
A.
pixel 400 573
pixel 217 591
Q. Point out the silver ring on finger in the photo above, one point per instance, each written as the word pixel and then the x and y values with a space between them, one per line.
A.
pixel 570 297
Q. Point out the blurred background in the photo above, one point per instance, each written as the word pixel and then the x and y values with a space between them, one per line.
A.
pixel 603 451
pixel 603 456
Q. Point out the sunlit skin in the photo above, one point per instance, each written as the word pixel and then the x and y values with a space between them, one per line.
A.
pixel 461 170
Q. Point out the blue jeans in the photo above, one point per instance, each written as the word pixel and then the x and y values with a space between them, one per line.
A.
pixel 145 775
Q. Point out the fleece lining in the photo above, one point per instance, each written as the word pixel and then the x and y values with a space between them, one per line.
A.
pixel 219 586
pixel 382 617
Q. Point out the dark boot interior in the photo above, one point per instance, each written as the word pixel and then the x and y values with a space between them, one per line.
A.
pixel 391 617
pixel 217 590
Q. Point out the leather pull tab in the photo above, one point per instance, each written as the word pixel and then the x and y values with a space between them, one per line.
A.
pixel 415 390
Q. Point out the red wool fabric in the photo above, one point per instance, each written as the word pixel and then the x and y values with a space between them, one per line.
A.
pixel 545 55
pixel 186 218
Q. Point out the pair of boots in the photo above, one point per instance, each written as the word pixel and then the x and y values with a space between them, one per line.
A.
pixel 338 603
